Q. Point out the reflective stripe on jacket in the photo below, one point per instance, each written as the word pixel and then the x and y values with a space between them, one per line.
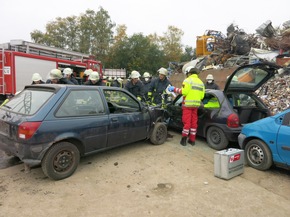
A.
pixel 193 91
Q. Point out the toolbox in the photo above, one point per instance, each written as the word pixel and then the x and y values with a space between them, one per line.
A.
pixel 228 163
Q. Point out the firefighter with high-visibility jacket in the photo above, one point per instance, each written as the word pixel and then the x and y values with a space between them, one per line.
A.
pixel 193 92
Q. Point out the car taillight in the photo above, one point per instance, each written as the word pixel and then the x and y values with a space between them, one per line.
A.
pixel 27 129
pixel 233 121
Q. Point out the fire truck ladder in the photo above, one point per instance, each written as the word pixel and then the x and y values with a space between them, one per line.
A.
pixel 38 49
pixel 2 62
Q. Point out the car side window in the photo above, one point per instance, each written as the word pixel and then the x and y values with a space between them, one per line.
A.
pixel 286 120
pixel 81 103
pixel 120 102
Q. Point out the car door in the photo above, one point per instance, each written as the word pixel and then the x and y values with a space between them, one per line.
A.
pixel 283 139
pixel 82 115
pixel 127 122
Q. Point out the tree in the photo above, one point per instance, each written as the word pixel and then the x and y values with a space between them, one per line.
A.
pixel 171 44
pixel 188 54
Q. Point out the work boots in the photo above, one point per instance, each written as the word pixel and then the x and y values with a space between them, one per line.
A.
pixel 183 141
pixel 191 142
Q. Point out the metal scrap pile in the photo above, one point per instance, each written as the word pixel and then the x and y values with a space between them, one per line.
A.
pixel 276 93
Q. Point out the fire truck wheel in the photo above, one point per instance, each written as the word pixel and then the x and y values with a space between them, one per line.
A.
pixel 61 161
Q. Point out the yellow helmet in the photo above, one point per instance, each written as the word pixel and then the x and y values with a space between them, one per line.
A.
pixel 162 71
pixel 36 77
pixel 135 74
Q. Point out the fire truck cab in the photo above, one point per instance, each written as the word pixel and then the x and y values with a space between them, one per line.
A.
pixel 19 59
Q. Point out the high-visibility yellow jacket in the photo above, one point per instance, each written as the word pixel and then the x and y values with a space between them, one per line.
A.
pixel 212 103
pixel 193 91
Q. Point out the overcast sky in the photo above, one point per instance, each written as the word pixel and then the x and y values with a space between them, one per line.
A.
pixel 18 18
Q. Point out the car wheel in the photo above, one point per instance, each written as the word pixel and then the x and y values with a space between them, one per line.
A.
pixel 159 134
pixel 61 161
pixel 216 138
pixel 258 155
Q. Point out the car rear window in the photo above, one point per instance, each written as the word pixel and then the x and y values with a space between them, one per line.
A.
pixel 28 101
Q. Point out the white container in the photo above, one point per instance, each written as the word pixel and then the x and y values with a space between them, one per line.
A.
pixel 228 163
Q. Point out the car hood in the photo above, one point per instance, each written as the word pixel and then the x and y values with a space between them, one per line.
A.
pixel 249 78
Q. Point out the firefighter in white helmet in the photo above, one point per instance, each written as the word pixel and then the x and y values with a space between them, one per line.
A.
pixel 56 77
pixel 209 84
pixel 86 75
pixel 135 86
pixel 158 86
pixel 193 92
pixel 37 79
pixel 146 81
pixel 94 79
pixel 67 72
pixel 118 83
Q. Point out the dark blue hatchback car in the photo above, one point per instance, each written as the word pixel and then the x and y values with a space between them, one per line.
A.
pixel 54 125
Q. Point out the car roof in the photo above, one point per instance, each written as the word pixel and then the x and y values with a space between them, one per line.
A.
pixel 249 78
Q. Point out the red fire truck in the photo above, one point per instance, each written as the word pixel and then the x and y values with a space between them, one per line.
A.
pixel 20 59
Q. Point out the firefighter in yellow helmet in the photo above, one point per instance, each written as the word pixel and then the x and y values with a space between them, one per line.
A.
pixel 193 92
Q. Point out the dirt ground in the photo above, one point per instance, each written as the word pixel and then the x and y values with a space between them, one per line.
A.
pixel 145 180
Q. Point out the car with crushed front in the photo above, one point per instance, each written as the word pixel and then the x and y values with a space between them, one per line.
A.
pixel 267 142
pixel 54 125
pixel 224 112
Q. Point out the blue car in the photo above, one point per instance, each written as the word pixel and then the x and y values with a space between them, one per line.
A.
pixel 54 125
pixel 267 141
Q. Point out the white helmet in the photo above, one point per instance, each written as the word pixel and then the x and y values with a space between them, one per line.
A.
pixel 88 72
pixel 36 77
pixel 120 80
pixel 94 76
pixel 192 70
pixel 146 75
pixel 135 74
pixel 67 71
pixel 55 74
pixel 209 77
pixel 162 71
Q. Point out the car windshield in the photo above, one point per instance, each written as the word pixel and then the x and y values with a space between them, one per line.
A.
pixel 28 101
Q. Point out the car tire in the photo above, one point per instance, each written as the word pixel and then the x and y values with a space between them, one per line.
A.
pixel 216 138
pixel 159 134
pixel 258 155
pixel 61 161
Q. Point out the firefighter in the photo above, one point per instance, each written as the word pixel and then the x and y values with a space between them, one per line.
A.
pixel 158 86
pixel 68 75
pixel 146 81
pixel 193 92
pixel 210 83
pixel 86 75
pixel 37 79
pixel 94 79
pixel 135 86
pixel 118 83
pixel 56 77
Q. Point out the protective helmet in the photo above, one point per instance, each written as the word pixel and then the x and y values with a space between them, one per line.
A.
pixel 162 71
pixel 209 77
pixel 87 72
pixel 110 78
pixel 146 75
pixel 135 74
pixel 67 71
pixel 36 77
pixel 120 80
pixel 191 69
pixel 55 74
pixel 94 76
